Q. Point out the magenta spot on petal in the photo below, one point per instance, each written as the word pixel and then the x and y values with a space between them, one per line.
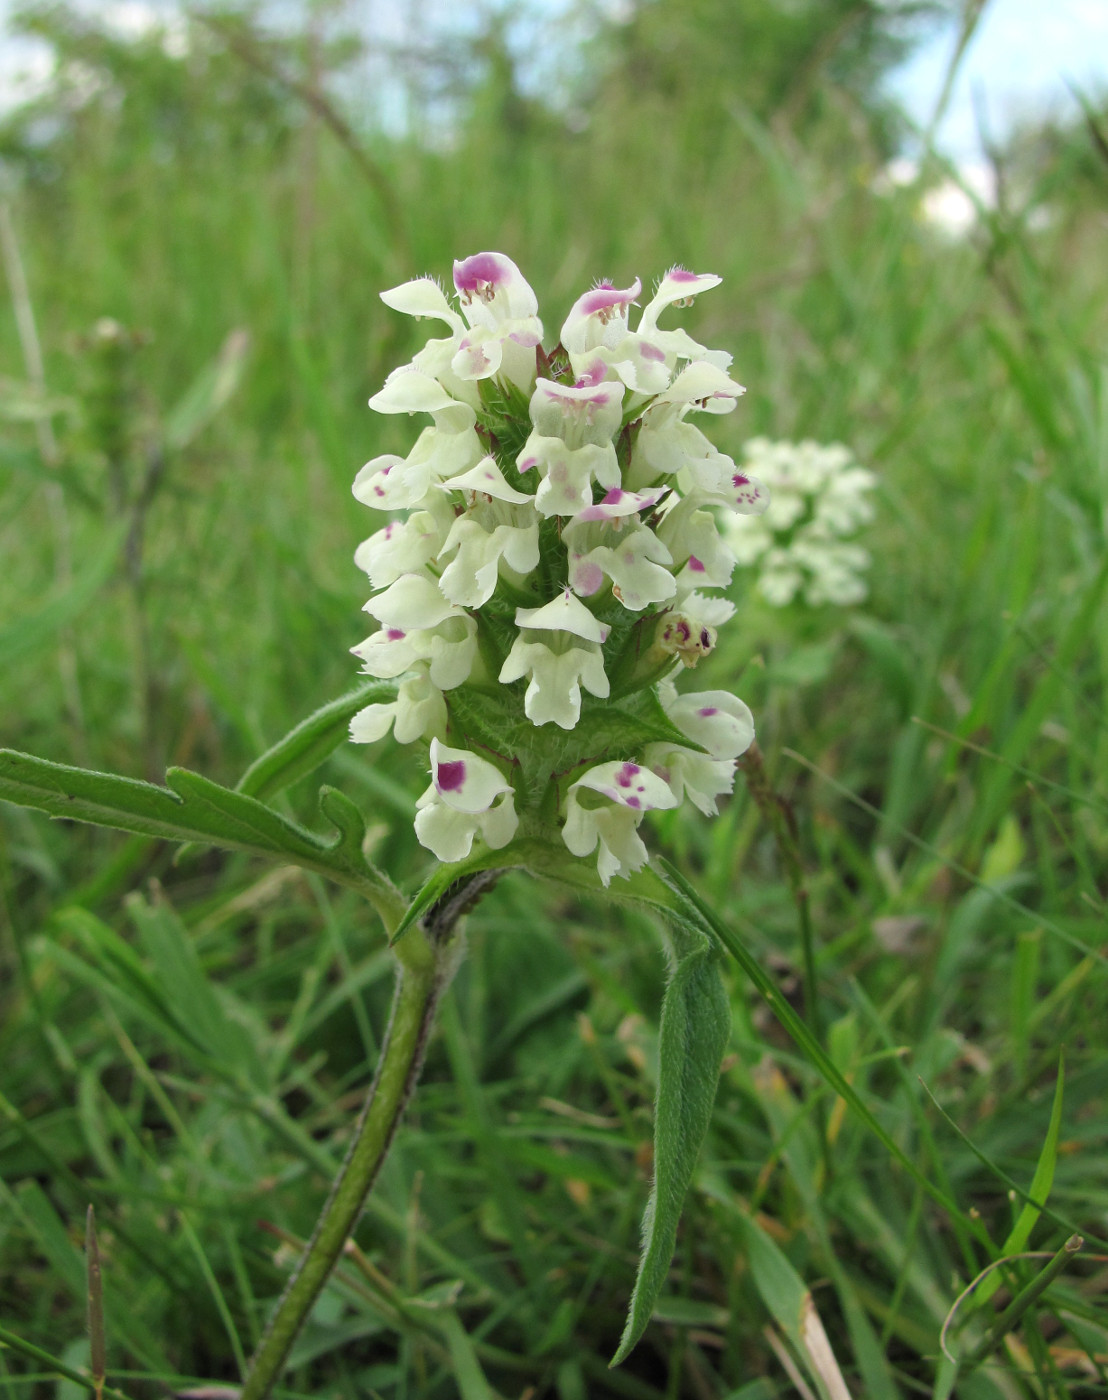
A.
pixel 651 352
pixel 451 776
pixel 389 528
pixel 482 268
pixel 626 774
pixel 613 498
pixel 739 480
pixel 633 802
pixel 394 634
pixel 600 298
pixel 379 491
pixel 695 565
pixel 589 578
pixel 681 274
pixel 527 466
pixel 592 376
pixel 708 711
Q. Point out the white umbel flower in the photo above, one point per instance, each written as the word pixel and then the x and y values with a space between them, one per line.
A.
pixel 802 545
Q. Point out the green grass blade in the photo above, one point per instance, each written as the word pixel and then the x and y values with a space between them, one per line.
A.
pixel 20 639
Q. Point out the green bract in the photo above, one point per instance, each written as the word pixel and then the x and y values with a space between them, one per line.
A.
pixel 540 582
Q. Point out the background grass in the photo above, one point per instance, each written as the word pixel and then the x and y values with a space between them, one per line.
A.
pixel 185 1044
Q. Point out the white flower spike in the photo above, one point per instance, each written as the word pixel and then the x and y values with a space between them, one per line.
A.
pixel 535 603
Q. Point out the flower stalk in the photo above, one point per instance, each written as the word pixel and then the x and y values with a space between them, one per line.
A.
pixel 426 958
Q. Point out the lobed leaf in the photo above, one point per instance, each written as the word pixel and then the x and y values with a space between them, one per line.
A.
pixel 193 808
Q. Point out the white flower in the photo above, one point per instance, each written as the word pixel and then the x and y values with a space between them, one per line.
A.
pixel 717 721
pixel 468 797
pixel 419 710
pixel 631 555
pixel 605 806
pixel 612 489
pixel 418 624
pixel 599 344
pixel 559 649
pixel 693 540
pixel 499 528
pixel 577 413
pixel 567 473
pixel 404 546
pixel 398 483
pixel 504 327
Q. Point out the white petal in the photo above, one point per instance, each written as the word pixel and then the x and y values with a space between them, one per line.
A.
pixel 445 832
pixel 464 781
pixel 716 720
pixel 628 784
pixel 676 286
pixel 490 283
pixel 422 297
pixel 500 823
pixel 618 503
pixel 564 614
pixel 409 391
pixel 372 723
pixel 420 710
pixel 413 601
pixel 451 649
pixel 487 478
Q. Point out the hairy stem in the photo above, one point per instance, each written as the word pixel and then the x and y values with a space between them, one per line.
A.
pixel 426 958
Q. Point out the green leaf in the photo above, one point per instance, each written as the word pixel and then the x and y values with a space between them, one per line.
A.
pixel 192 808
pixel 696 1021
pixel 207 393
pixel 695 908
pixel 37 629
pixel 785 1295
pixel 311 742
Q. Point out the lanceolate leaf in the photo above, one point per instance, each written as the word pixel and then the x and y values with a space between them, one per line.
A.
pixel 696 1020
pixel 192 808
pixel 313 740
pixel 703 917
